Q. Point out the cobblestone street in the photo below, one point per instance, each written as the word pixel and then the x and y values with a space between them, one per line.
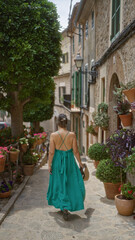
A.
pixel 32 219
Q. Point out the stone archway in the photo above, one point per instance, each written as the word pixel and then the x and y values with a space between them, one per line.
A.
pixel 114 120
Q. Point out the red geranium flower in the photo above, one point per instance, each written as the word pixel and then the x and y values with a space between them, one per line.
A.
pixel 130 192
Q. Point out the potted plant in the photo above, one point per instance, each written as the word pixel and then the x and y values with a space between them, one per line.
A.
pixel 129 91
pixel 3 152
pixel 91 129
pixel 130 166
pixel 97 152
pixel 123 110
pixel 32 142
pixel 5 189
pixel 101 118
pixel 125 201
pixel 123 107
pixel 23 144
pixel 72 103
pixel 29 161
pixel 13 154
pixel 120 144
pixel 111 175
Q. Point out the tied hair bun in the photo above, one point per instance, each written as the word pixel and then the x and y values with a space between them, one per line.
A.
pixel 64 119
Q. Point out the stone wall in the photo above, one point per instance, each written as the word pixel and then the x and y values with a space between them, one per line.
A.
pixel 128 12
pixel 102 26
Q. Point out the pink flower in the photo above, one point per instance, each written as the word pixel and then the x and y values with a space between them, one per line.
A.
pixel 1 156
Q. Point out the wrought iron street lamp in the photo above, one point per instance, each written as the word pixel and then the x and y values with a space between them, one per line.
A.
pixel 78 62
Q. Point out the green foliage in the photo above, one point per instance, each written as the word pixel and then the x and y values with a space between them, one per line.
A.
pixel 101 118
pixel 127 190
pixel 90 129
pixel 23 140
pixel 29 158
pixel 6 137
pixel 118 93
pixel 102 107
pixel 40 111
pixel 30 51
pixel 98 152
pixel 130 162
pixel 108 172
pixel 128 86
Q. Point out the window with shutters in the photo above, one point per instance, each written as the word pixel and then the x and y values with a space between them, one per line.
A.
pixel 115 28
pixel 72 97
pixel 62 91
pixel 76 88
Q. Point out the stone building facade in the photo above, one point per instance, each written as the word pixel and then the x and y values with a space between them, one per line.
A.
pixel 108 43
pixel 62 83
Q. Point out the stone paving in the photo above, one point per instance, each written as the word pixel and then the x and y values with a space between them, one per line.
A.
pixel 32 219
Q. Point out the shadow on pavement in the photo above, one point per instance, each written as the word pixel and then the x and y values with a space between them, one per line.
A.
pixel 75 222
pixel 93 173
pixel 107 201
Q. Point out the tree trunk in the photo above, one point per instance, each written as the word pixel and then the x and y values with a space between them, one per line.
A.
pixel 16 116
pixel 36 126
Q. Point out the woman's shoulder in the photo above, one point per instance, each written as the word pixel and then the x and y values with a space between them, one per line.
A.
pixel 72 134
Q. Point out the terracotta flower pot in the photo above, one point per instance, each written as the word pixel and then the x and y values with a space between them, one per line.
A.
pixel 14 156
pixel 95 163
pixel 39 141
pixel 130 94
pixel 28 170
pixel 96 129
pixel 126 119
pixel 2 164
pixel 24 147
pixel 125 207
pixel 5 194
pixel 111 189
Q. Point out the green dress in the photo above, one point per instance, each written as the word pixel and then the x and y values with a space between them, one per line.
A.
pixel 66 187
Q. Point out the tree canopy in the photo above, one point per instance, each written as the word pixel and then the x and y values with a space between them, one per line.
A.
pixel 30 50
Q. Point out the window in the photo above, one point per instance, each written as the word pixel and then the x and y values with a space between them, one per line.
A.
pixel 62 91
pixel 115 18
pixel 92 20
pixel 86 29
pixel 65 58
pixel 79 40
pixel 86 85
pixel 73 39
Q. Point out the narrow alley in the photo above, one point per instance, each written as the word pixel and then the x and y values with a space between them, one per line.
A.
pixel 32 219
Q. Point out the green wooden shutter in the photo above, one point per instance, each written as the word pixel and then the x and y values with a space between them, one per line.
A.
pixel 115 18
pixel 77 128
pixel 76 93
pixel 72 97
pixel 80 88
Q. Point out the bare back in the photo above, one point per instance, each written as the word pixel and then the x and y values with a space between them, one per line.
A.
pixel 63 140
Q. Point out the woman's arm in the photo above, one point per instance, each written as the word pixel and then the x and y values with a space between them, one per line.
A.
pixel 51 152
pixel 75 150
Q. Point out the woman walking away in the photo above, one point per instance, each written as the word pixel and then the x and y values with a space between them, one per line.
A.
pixel 66 187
